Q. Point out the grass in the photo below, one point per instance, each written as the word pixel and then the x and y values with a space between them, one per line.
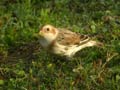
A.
pixel 25 66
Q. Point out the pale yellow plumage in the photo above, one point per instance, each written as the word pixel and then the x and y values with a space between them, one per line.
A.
pixel 63 42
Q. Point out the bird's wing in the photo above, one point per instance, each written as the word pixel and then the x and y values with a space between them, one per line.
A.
pixel 67 37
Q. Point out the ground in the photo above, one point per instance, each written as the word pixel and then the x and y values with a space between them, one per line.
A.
pixel 24 65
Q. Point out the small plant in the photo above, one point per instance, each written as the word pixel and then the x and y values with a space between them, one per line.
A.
pixel 25 66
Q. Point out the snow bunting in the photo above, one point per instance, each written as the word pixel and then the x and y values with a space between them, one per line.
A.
pixel 64 42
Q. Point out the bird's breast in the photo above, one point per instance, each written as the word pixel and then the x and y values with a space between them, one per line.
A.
pixel 44 43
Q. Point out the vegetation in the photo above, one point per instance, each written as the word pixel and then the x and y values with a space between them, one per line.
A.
pixel 25 66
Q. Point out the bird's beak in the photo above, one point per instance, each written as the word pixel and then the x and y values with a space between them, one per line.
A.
pixel 36 35
pixel 41 33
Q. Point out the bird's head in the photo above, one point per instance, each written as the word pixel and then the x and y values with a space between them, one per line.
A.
pixel 48 33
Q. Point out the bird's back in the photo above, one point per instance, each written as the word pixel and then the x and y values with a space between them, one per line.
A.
pixel 67 37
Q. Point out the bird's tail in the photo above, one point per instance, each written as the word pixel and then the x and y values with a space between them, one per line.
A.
pixel 95 43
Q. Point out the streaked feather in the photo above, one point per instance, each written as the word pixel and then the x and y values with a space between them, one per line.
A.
pixel 67 37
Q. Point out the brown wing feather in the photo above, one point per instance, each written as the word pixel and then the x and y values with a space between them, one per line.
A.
pixel 67 37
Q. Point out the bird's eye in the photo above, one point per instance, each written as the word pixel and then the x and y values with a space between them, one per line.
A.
pixel 47 29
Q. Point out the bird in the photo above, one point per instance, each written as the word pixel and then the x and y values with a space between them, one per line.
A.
pixel 63 42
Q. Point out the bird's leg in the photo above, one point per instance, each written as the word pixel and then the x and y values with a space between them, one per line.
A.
pixel 69 58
